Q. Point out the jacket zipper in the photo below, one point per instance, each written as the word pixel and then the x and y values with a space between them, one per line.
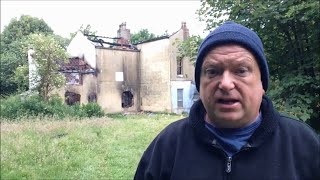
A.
pixel 228 168
pixel 229 159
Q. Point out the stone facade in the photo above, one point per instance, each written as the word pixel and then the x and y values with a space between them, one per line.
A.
pixel 155 75
pixel 110 64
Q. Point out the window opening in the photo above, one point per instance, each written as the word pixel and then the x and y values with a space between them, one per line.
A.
pixel 179 66
pixel 180 98
pixel 72 98
pixel 127 99
pixel 73 78
pixel 92 97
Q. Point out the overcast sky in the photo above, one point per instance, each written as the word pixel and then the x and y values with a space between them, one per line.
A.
pixel 65 17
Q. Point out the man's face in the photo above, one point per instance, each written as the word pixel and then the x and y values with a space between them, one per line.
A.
pixel 230 86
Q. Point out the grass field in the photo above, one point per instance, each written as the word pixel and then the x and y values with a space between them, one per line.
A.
pixel 97 148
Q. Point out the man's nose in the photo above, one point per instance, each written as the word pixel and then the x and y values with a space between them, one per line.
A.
pixel 226 82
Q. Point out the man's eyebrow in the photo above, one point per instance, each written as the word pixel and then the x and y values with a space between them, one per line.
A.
pixel 244 60
pixel 211 63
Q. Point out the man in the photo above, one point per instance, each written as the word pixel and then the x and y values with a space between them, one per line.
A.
pixel 233 131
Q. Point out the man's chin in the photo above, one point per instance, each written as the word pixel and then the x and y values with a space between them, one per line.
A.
pixel 228 121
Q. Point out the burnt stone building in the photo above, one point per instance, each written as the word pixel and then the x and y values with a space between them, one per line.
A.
pixel 122 77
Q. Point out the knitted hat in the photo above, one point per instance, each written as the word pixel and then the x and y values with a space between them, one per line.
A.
pixel 231 32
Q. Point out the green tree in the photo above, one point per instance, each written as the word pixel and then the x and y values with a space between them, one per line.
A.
pixel 48 54
pixel 63 42
pixel 188 48
pixel 141 35
pixel 18 28
pixel 290 32
pixel 85 31
pixel 15 56
pixel 14 47
pixel 8 63
pixel 21 78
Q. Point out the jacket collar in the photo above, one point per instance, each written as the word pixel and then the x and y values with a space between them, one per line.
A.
pixel 268 125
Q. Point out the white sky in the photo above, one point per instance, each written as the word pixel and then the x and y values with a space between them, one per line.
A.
pixel 65 17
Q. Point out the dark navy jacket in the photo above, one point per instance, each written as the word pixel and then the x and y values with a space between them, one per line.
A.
pixel 281 148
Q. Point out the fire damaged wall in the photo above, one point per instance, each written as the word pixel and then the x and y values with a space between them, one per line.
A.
pixel 118 80
pixel 155 76
pixel 81 82
pixel 87 89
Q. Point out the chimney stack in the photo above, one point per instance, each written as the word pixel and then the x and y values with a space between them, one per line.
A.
pixel 185 31
pixel 124 34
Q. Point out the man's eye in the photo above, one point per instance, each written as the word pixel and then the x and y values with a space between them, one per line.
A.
pixel 242 71
pixel 211 72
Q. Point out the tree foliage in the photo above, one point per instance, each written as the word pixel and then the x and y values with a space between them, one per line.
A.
pixel 290 33
pixel 48 54
pixel 85 30
pixel 13 57
pixel 141 35
pixel 14 47
pixel 63 42
pixel 21 77
pixel 188 48
pixel 18 28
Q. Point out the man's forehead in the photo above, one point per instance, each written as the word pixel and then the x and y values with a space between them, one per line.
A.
pixel 231 53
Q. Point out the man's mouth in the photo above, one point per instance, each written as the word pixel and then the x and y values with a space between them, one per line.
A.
pixel 227 101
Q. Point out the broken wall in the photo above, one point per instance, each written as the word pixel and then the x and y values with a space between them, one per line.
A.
pixel 118 80
pixel 86 89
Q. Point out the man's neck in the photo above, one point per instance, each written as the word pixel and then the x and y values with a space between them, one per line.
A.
pixel 211 122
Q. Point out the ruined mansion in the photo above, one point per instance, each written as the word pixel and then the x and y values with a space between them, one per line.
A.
pixel 125 77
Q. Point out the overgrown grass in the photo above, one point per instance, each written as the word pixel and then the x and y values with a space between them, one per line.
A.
pixel 96 148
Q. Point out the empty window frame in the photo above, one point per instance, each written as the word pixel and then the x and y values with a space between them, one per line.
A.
pixel 180 98
pixel 127 99
pixel 92 97
pixel 72 98
pixel 73 78
pixel 179 67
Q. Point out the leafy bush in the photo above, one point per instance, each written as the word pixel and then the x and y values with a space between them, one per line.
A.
pixel 34 106
pixel 301 102
pixel 18 106
pixel 11 107
pixel 92 109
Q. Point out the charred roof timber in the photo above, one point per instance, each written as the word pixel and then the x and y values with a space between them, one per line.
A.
pixel 90 35
pixel 76 65
pixel 99 39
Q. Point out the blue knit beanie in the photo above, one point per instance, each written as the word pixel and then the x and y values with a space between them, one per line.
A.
pixel 231 32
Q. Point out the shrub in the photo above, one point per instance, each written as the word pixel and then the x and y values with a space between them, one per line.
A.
pixel 34 106
pixel 18 106
pixel 92 110
pixel 11 107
